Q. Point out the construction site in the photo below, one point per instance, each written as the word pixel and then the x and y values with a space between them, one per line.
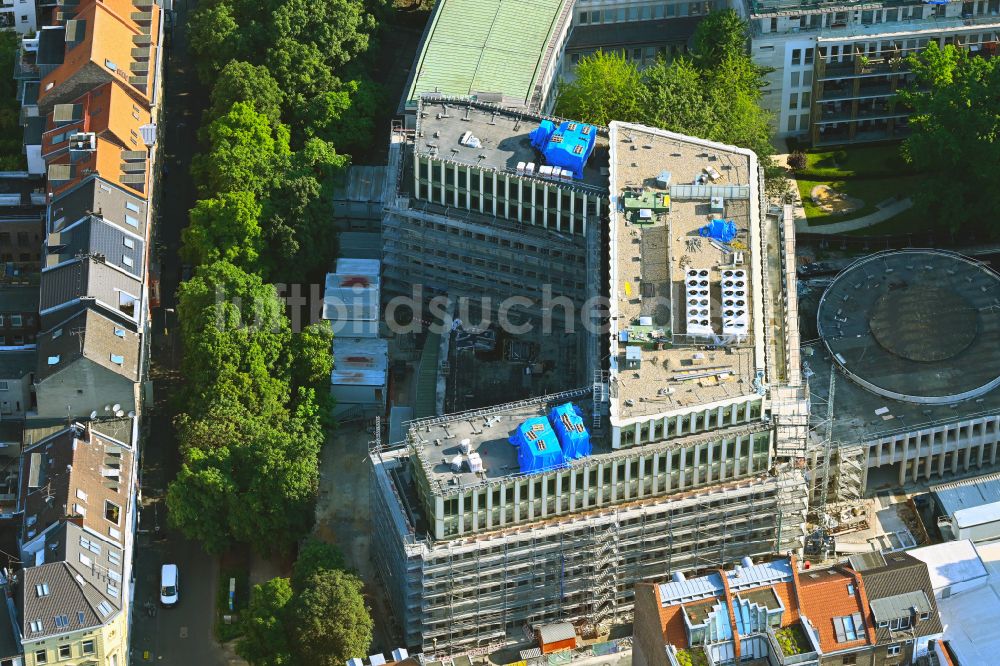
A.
pixel 684 447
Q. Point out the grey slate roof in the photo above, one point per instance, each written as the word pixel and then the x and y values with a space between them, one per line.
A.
pixel 900 575
pixel 95 236
pixel 99 197
pixel 16 364
pixel 91 335
pixel 76 569
pixel 19 299
pixel 87 279
pixel 900 605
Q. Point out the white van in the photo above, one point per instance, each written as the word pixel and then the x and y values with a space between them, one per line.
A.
pixel 169 585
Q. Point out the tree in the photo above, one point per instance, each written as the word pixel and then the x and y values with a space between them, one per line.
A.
pixel 954 136
pixel 240 81
pixel 312 357
pixel 301 239
pixel 196 498
pixel 720 35
pixel 606 87
pixel 330 621
pixel 245 152
pixel 352 129
pixel 340 27
pixel 797 161
pixel 265 637
pixel 215 38
pixel 314 556
pixel 675 99
pixel 224 229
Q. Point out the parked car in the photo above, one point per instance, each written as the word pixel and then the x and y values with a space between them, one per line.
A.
pixel 169 585
pixel 817 269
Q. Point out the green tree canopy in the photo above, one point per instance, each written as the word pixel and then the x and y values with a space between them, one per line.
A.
pixel 215 38
pixel 265 639
pixel 720 35
pixel 954 140
pixel 314 556
pixel 675 98
pixel 245 153
pixel 224 229
pixel 240 81
pixel 339 27
pixel 330 621
pixel 606 87
pixel 233 325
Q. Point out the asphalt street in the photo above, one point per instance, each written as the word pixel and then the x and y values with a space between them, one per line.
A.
pixel 181 635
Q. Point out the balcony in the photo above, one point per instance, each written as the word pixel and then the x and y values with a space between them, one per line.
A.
pixel 847 92
pixel 140 53
pixel 142 17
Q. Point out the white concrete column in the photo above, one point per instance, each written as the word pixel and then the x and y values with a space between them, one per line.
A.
pixel 517 501
pixel 639 490
pixel 503 506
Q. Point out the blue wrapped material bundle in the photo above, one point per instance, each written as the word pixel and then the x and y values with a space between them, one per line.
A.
pixel 720 230
pixel 538 446
pixel 567 421
pixel 568 146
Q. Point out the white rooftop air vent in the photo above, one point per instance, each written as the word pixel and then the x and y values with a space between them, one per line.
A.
pixel 698 315
pixel 470 140
pixel 735 317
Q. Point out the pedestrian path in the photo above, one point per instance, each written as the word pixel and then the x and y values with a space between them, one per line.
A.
pixel 887 210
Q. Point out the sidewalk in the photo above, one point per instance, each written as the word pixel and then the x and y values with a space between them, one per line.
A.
pixel 886 211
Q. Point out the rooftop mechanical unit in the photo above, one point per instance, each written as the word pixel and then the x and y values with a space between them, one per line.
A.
pixel 698 305
pixel 735 312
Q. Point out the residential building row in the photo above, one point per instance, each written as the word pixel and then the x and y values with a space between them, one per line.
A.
pixel 75 235
pixel 874 609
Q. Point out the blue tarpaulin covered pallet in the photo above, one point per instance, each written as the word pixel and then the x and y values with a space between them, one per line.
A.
pixel 567 422
pixel 538 446
pixel 720 230
pixel 567 146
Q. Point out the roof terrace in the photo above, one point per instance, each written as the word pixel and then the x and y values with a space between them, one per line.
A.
pixel 445 127
pixel 439 441
pixel 686 292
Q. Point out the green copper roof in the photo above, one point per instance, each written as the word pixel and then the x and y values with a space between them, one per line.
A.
pixel 485 46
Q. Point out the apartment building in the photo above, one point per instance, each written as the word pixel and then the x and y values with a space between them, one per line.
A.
pixel 837 66
pixel 474 544
pixel 20 16
pixel 903 606
pixel 70 600
pixel 641 30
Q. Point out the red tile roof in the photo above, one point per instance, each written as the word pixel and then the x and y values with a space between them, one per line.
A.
pixel 829 593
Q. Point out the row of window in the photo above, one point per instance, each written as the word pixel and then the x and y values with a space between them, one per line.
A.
pixel 16 320
pixel 23 238
pixel 504 242
pixel 692 422
pixel 66 652
pixel 651 11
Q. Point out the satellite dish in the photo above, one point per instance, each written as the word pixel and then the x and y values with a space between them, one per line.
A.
pixel 131 415
pixel 119 413
pixel 107 408
pixel 93 414
pixel 117 408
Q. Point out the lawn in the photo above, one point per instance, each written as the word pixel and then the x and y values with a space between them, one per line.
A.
pixel 878 161
pixel 912 221
pixel 871 192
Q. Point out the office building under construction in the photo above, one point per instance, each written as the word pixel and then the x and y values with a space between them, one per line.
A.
pixel 686 450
